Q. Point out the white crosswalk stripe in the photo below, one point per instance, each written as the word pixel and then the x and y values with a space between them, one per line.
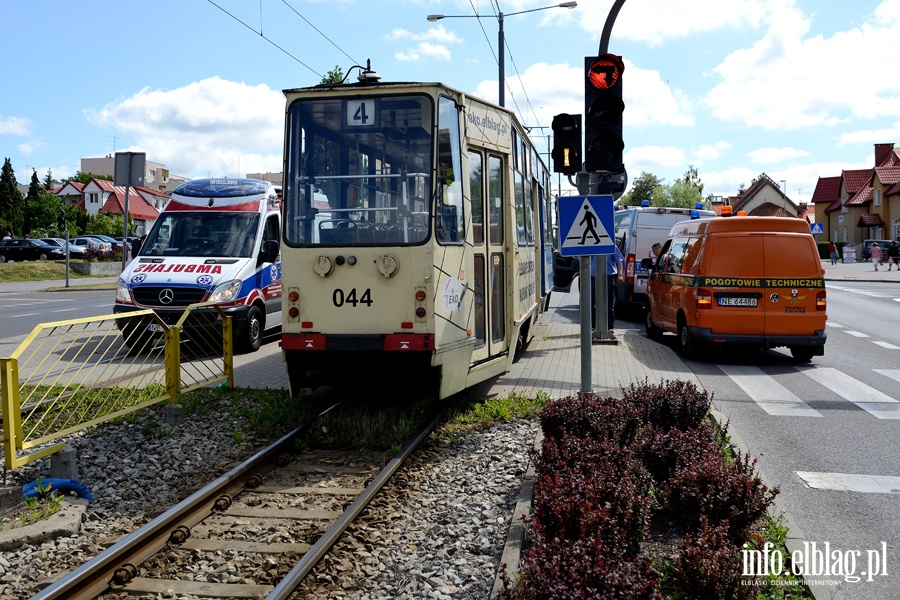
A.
pixel 770 395
pixel 869 399
pixel 848 482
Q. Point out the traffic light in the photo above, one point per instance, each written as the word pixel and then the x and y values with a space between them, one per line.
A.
pixel 566 152
pixel 603 107
pixel 61 220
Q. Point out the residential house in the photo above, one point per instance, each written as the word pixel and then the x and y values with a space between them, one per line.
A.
pixel 101 195
pixel 862 204
pixel 764 198
pixel 156 176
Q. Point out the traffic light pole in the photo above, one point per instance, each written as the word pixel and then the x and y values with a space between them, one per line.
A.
pixel 583 180
pixel 607 27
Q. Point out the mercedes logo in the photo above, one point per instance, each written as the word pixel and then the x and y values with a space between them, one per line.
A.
pixel 166 296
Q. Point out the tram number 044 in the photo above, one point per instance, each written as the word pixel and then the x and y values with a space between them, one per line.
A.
pixel 341 298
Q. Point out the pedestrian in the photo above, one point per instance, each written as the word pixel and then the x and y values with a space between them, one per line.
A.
pixel 654 250
pixel 875 254
pixel 614 273
pixel 832 251
pixel 893 253
pixel 136 245
pixel 8 236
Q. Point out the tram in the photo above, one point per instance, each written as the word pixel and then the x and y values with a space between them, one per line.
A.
pixel 416 237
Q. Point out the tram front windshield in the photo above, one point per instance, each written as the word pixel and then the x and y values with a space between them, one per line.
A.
pixel 359 171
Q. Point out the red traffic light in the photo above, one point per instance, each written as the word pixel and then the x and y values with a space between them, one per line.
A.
pixel 605 72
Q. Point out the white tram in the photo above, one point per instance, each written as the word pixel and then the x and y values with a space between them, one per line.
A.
pixel 416 237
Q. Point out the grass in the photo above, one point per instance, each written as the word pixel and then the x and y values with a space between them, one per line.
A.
pixel 36 270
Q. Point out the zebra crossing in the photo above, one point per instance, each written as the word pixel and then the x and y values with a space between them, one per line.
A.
pixel 777 400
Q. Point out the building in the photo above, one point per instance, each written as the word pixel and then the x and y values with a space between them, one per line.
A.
pixel 861 204
pixel 101 195
pixel 156 176
pixel 764 198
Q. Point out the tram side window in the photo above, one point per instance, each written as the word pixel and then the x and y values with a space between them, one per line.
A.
pixel 476 194
pixel 495 199
pixel 449 219
pixel 521 220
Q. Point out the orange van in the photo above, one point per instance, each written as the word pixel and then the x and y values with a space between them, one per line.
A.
pixel 739 281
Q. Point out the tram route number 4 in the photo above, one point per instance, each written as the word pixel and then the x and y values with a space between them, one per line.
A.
pixel 341 298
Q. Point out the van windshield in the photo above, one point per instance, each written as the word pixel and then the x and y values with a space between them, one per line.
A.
pixel 202 234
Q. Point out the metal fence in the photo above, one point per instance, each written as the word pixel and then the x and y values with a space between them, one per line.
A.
pixel 67 376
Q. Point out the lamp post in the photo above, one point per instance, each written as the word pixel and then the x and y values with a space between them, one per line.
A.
pixel 501 59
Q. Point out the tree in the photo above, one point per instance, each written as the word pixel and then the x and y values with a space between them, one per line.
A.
pixel 85 177
pixel 48 181
pixel 12 204
pixel 687 191
pixel 643 188
pixel 32 203
pixel 336 75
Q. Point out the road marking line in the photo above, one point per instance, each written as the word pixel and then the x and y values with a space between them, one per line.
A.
pixel 869 399
pixel 886 345
pixel 892 373
pixel 869 484
pixel 858 334
pixel 64 310
pixel 23 315
pixel 770 395
pixel 833 324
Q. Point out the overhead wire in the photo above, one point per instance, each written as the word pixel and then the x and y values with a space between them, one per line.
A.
pixel 341 50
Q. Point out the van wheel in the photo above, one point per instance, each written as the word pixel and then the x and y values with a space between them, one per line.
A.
pixel 688 346
pixel 653 331
pixel 253 330
pixel 801 354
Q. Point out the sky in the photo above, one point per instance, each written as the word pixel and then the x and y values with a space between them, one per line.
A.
pixel 794 89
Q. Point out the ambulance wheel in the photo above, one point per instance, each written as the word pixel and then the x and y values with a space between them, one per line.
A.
pixel 653 331
pixel 252 335
pixel 801 353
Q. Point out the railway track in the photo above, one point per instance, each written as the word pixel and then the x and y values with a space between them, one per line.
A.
pixel 319 493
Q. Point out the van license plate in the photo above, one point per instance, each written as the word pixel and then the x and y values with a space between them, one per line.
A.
pixel 737 301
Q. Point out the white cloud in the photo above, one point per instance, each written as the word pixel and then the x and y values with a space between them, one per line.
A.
pixel 433 34
pixel 650 101
pixel 424 50
pixel 706 152
pixel 30 147
pixel 211 126
pixel 774 155
pixel 653 159
pixel 14 125
pixel 656 21
pixel 786 81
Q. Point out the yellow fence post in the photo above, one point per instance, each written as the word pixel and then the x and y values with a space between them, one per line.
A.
pixel 172 339
pixel 12 415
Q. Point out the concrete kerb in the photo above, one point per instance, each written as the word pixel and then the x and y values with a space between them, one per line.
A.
pixel 64 522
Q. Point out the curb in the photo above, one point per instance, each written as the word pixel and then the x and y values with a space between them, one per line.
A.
pixel 515 539
pixel 66 521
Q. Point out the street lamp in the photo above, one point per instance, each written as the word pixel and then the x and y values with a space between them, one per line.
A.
pixel 500 39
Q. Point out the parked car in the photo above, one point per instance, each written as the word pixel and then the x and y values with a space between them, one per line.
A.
pixel 91 243
pixel 74 251
pixel 883 244
pixel 113 243
pixel 29 249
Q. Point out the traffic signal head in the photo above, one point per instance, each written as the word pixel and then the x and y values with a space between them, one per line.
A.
pixel 61 220
pixel 603 107
pixel 566 152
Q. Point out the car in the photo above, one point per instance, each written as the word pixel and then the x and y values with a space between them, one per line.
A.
pixel 19 249
pixel 74 251
pixel 113 243
pixel 91 243
pixel 883 244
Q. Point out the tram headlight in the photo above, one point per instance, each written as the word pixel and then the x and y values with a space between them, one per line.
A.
pixel 226 292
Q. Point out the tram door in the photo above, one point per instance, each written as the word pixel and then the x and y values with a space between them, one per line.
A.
pixel 486 191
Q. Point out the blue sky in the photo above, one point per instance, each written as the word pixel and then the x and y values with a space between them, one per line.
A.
pixel 796 89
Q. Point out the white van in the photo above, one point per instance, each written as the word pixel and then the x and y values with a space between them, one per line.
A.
pixel 216 240
pixel 637 229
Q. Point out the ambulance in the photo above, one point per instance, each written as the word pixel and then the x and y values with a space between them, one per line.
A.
pixel 216 240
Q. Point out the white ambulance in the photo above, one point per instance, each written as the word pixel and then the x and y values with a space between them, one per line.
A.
pixel 217 240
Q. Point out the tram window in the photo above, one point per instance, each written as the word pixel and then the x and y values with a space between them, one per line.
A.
pixel 476 194
pixel 521 223
pixel 495 199
pixel 449 221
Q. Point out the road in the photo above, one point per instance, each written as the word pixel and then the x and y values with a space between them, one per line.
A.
pixel 826 433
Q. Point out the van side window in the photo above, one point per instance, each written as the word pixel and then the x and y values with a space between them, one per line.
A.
pixel 691 254
pixel 675 257
pixel 271 231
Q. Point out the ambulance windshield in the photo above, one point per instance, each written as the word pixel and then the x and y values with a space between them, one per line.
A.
pixel 187 233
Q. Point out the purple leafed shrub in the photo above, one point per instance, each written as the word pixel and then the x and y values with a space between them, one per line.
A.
pixel 590 416
pixel 671 404
pixel 709 565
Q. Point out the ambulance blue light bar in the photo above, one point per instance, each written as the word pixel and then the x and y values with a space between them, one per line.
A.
pixel 231 187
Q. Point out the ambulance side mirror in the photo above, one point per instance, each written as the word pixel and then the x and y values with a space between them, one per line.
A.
pixel 269 251
pixel 648 263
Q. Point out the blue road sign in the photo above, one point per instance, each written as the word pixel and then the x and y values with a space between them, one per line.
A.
pixel 816 229
pixel 586 225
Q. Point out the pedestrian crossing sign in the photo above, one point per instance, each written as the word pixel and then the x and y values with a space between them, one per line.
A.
pixel 816 229
pixel 586 225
